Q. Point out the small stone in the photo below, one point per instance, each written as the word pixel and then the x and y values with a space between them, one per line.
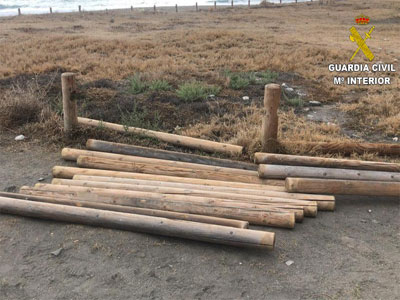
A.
pixel 314 103
pixel 57 252
pixel 306 109
pixel 375 222
pixel 310 116
pixel 395 139
pixel 211 96
pixel 284 84
pixel 369 210
pixel 289 262
pixel 289 89
pixel 240 263
pixel 41 179
pixel 246 98
pixel 20 137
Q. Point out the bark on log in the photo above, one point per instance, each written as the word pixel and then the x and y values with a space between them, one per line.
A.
pixel 310 161
pixel 309 207
pixel 347 148
pixel 343 187
pixel 178 203
pixel 283 171
pixel 115 165
pixel 154 225
pixel 69 172
pixel 194 143
pixel 132 210
pixel 323 201
pixel 125 149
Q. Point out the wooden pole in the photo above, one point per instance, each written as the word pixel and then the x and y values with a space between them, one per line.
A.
pixel 80 9
pixel 176 7
pixel 155 225
pixel 132 210
pixel 270 121
pixel 248 3
pixel 177 203
pixel 215 4
pixel 73 154
pixel 297 160
pixel 309 207
pixel 283 171
pixel 150 168
pixel 69 172
pixel 69 104
pixel 19 11
pixel 343 187
pixel 197 8
pixel 324 202
pixel 346 148
pixel 155 10
pixel 185 141
pixel 232 3
pixel 126 149
pixel 131 8
pixel 51 10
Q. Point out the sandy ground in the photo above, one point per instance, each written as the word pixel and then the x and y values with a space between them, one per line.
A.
pixel 352 253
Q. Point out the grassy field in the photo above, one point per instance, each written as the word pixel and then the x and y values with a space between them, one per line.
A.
pixel 188 72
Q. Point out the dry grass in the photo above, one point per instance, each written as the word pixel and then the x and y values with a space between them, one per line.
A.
pixel 190 46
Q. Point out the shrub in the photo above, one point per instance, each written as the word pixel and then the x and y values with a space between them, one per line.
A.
pixel 238 82
pixel 137 85
pixel 159 85
pixel 195 91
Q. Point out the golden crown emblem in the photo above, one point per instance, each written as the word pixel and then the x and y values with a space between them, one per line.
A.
pixel 362 20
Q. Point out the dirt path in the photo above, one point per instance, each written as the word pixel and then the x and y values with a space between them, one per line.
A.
pixel 349 254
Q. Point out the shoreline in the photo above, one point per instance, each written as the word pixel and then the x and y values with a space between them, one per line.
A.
pixel 171 8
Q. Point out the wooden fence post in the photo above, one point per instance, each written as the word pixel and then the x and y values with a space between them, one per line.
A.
pixel 155 9
pixel 249 3
pixel 232 3
pixel 131 8
pixel 176 7
pixel 215 4
pixel 68 86
pixel 19 11
pixel 80 8
pixel 272 97
pixel 51 10
pixel 197 8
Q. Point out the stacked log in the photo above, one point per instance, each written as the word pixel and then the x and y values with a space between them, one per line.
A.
pixel 305 174
pixel 127 186
pixel 140 223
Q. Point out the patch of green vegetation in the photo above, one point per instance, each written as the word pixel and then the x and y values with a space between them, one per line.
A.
pixel 140 118
pixel 159 85
pixel 295 102
pixel 266 76
pixel 242 80
pixel 238 82
pixel 196 91
pixel 137 85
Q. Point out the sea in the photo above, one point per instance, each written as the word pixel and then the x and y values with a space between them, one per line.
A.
pixel 10 7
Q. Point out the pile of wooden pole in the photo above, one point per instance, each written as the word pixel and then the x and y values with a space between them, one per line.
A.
pixel 306 174
pixel 168 193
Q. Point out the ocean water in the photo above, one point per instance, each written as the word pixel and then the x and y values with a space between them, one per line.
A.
pixel 10 7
